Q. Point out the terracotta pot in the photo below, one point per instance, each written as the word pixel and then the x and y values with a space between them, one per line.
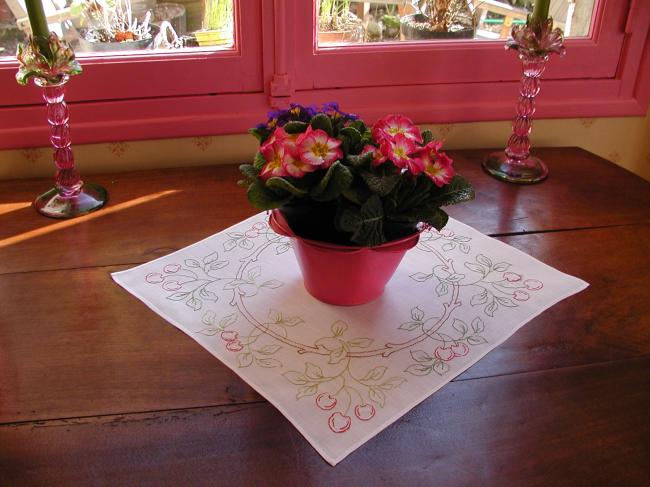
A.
pixel 341 274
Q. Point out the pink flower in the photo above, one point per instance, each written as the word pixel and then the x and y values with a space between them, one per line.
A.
pixel 378 157
pixel 511 277
pixel 520 295
pixel 275 156
pixel 444 354
pixel 533 284
pixel 392 125
pixel 318 149
pixel 398 150
pixel 439 170
pixel 278 135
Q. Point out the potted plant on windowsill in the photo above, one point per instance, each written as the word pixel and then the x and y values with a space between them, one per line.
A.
pixel 337 24
pixel 439 19
pixel 352 197
pixel 217 24
pixel 114 28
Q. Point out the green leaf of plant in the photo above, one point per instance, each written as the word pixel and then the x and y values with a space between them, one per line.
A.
pixel 354 136
pixel 370 232
pixel 427 136
pixel 282 184
pixel 260 134
pixel 337 179
pixel 457 191
pixel 264 198
pixel 258 161
pixel 295 127
pixel 249 171
pixel 382 185
pixel 322 122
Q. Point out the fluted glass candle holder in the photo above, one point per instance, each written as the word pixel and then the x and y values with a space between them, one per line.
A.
pixel 515 164
pixel 70 197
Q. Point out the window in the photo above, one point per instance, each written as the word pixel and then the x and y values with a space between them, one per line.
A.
pixel 277 55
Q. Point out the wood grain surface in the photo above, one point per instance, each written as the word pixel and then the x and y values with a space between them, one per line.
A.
pixel 96 389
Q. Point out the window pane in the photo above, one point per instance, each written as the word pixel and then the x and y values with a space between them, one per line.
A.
pixel 358 21
pixel 105 26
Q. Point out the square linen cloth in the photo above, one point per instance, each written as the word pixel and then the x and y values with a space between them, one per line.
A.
pixel 343 374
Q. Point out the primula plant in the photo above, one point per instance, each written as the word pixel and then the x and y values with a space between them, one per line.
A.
pixel 337 180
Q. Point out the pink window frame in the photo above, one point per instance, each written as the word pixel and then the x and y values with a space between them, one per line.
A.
pixel 276 61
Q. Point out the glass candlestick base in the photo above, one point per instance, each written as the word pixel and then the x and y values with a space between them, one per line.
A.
pixel 53 204
pixel 530 170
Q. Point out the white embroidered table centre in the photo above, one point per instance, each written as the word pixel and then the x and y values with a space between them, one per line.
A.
pixel 342 374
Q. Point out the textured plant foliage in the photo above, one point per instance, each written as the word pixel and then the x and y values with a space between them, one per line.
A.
pixel 377 178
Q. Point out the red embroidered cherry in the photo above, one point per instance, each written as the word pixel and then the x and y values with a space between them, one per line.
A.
pixel 511 277
pixel 235 346
pixel 171 285
pixel 154 278
pixel 339 423
pixel 460 349
pixel 229 336
pixel 364 412
pixel 445 354
pixel 520 295
pixel 171 268
pixel 533 284
pixel 325 401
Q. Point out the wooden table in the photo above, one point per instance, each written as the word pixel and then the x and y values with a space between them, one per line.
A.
pixel 95 389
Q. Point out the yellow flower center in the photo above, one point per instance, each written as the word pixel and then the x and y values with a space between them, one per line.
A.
pixel 320 150
pixel 400 152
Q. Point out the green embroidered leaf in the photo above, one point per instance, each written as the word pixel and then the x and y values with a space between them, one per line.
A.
pixel 442 288
pixel 459 326
pixel 295 378
pixel 360 342
pixel 501 267
pixel 480 298
pixel 269 349
pixel 417 314
pixel 305 391
pixel 421 356
pixel 491 308
pixel 313 371
pixel 477 325
pixel 421 276
pixel 339 328
pixel 440 368
pixel 476 268
pixel 476 340
pixel 419 369
pixel 375 374
pixel 392 383
pixel 410 325
pixel 337 355
pixel 377 396
pixel 268 362
pixel 244 359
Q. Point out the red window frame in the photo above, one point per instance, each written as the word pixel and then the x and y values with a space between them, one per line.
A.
pixel 276 61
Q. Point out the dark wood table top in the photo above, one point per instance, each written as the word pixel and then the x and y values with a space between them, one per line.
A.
pixel 96 389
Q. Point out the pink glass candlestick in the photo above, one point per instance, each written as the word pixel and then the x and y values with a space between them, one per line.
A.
pixel 70 197
pixel 534 44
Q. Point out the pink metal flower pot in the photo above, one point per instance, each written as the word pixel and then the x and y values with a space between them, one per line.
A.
pixel 340 274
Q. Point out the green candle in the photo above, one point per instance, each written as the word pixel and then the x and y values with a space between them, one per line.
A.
pixel 540 11
pixel 37 20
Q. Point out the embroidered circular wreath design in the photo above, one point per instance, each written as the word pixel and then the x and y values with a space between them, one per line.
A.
pixel 347 395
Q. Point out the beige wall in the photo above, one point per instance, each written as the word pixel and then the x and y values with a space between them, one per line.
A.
pixel 625 141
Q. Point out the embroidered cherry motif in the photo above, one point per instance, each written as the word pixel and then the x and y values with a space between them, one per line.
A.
pixel 364 412
pixel 229 336
pixel 325 401
pixel 460 349
pixel 171 268
pixel 520 295
pixel 154 278
pixel 533 284
pixel 235 346
pixel 511 277
pixel 445 354
pixel 171 285
pixel 339 423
